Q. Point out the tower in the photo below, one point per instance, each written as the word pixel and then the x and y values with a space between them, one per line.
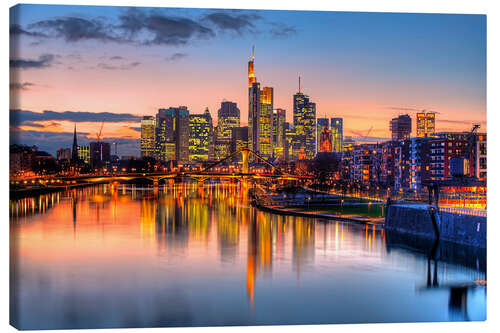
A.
pixel 74 151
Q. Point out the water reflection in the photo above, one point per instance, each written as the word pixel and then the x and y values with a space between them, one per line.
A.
pixel 198 254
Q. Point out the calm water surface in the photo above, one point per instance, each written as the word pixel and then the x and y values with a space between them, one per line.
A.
pixel 186 255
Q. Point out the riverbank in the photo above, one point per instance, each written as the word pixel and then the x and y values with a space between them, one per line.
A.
pixel 35 191
pixel 427 222
pixel 295 211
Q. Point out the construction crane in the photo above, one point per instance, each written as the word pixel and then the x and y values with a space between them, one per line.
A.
pixel 366 135
pixel 100 131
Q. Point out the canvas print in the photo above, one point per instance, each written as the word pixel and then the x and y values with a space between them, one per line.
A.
pixel 213 167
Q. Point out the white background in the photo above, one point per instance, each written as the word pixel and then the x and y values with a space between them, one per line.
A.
pixel 491 8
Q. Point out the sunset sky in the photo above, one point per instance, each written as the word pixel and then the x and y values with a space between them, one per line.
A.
pixel 128 62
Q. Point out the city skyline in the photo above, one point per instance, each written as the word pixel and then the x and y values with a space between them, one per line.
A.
pixel 363 89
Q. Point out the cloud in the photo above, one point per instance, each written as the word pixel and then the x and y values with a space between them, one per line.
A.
pixel 238 23
pixel 45 60
pixel 280 30
pixel 176 56
pixel 19 117
pixel 120 67
pixel 116 58
pixel 21 86
pixel 140 27
pixel 17 30
pixel 73 29
pixel 161 29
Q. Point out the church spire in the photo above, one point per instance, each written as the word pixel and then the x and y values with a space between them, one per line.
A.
pixel 74 152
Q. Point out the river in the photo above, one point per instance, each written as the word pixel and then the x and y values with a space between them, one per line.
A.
pixel 123 255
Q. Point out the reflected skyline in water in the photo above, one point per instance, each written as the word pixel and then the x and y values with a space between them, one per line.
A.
pixel 188 255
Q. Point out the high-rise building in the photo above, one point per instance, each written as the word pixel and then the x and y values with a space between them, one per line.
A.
pixel 228 118
pixel 239 139
pixel 148 136
pixel 84 154
pixel 325 139
pixel 266 122
pixel 426 124
pixel 200 136
pixel 320 124
pixel 251 75
pixel 279 119
pixel 337 129
pixel 260 114
pixel 172 134
pixel 100 153
pixel 254 116
pixel 400 127
pixel 304 123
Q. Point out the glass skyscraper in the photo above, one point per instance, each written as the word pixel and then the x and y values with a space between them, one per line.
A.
pixel 279 119
pixel 320 124
pixel 228 118
pixel 200 136
pixel 304 123
pixel 172 134
pixel 337 129
pixel 148 136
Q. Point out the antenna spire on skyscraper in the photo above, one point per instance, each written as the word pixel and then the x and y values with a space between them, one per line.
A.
pixel 299 83
pixel 253 52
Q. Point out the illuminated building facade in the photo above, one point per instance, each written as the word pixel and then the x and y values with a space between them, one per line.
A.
pixel 426 124
pixel 84 154
pixel 304 123
pixel 279 119
pixel 254 117
pixel 337 129
pixel 400 127
pixel 200 136
pixel 260 114
pixel 480 157
pixel 148 136
pixel 325 139
pixel 320 124
pixel 172 134
pixel 228 118
pixel 266 122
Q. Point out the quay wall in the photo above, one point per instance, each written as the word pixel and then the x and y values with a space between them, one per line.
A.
pixel 453 227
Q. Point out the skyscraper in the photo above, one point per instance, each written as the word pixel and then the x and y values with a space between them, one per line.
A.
pixel 100 153
pixel 148 136
pixel 426 124
pixel 228 118
pixel 254 116
pixel 266 122
pixel 401 127
pixel 325 139
pixel 172 134
pixel 239 139
pixel 200 136
pixel 251 75
pixel 304 123
pixel 279 119
pixel 320 124
pixel 336 127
